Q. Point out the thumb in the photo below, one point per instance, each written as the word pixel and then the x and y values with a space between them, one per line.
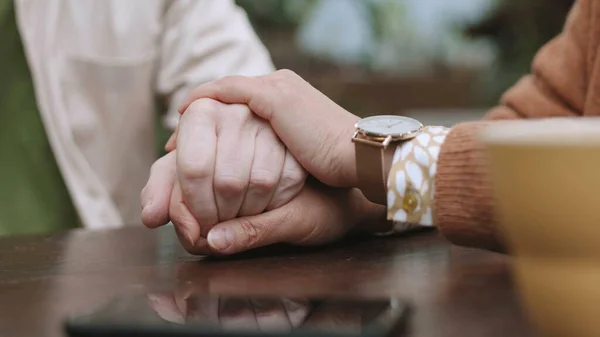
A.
pixel 312 217
pixel 241 234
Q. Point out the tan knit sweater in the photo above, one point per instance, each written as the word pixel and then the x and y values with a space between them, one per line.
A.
pixel 565 81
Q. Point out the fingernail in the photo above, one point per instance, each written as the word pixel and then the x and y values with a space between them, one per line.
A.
pixel 220 238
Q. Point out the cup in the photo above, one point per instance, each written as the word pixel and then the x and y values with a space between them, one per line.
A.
pixel 546 182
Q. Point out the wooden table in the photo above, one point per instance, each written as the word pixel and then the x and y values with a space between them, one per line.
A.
pixel 455 291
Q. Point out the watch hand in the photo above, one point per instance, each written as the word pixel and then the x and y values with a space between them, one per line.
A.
pixel 391 125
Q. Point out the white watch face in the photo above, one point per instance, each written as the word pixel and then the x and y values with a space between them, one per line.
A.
pixel 388 125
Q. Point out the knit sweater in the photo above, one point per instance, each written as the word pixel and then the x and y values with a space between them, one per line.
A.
pixel 564 82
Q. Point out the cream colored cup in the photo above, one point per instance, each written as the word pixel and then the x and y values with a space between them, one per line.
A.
pixel 546 178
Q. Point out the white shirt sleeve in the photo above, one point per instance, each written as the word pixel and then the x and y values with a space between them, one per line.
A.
pixel 204 40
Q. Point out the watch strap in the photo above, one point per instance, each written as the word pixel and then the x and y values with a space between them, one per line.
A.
pixel 372 170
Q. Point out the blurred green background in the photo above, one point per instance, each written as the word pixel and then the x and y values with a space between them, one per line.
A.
pixel 440 61
pixel 496 39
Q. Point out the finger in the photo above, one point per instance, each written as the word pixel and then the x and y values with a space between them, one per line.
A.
pixel 172 142
pixel 220 91
pixel 299 123
pixel 186 226
pixel 296 310
pixel 265 96
pixel 335 317
pixel 290 183
pixel 271 315
pixel 235 152
pixel 236 314
pixel 192 283
pixel 267 168
pixel 241 234
pixel 196 155
pixel 311 218
pixel 203 309
pixel 165 306
pixel 156 195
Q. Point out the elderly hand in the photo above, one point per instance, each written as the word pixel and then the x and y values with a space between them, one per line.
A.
pixel 314 129
pixel 318 214
pixel 254 314
pixel 228 163
pixel 276 315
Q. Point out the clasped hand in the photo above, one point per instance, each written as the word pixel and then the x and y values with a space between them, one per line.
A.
pixel 234 178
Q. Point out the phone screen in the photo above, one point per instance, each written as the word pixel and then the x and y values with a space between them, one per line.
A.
pixel 163 314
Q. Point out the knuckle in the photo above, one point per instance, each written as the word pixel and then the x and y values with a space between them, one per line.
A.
pixel 189 169
pixel 286 73
pixel 263 182
pixel 155 168
pixel 230 184
pixel 232 117
pixel 159 165
pixel 239 113
pixel 293 177
pixel 202 106
pixel 240 109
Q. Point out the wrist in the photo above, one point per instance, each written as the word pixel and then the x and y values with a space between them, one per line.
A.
pixel 333 162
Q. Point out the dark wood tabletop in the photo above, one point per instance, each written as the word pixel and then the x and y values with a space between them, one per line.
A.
pixel 453 291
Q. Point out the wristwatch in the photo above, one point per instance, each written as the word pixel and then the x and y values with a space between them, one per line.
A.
pixel 375 141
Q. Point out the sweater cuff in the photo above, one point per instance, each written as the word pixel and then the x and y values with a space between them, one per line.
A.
pixel 463 198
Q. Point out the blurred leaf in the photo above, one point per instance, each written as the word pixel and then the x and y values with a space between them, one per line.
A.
pixel 276 13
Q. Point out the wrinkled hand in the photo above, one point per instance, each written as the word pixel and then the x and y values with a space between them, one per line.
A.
pixel 318 214
pixel 227 163
pixel 275 315
pixel 316 130
pixel 231 313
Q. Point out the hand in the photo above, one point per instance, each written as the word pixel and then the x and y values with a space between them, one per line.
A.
pixel 230 313
pixel 315 130
pixel 276 315
pixel 227 163
pixel 201 287
pixel 318 214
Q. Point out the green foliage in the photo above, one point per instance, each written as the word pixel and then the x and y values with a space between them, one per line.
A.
pixel 266 14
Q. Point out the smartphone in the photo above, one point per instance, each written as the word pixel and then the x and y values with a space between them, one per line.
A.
pixel 163 314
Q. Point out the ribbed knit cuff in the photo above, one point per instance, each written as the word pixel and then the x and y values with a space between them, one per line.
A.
pixel 463 196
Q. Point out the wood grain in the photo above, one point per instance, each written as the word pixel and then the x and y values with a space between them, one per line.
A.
pixel 454 291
